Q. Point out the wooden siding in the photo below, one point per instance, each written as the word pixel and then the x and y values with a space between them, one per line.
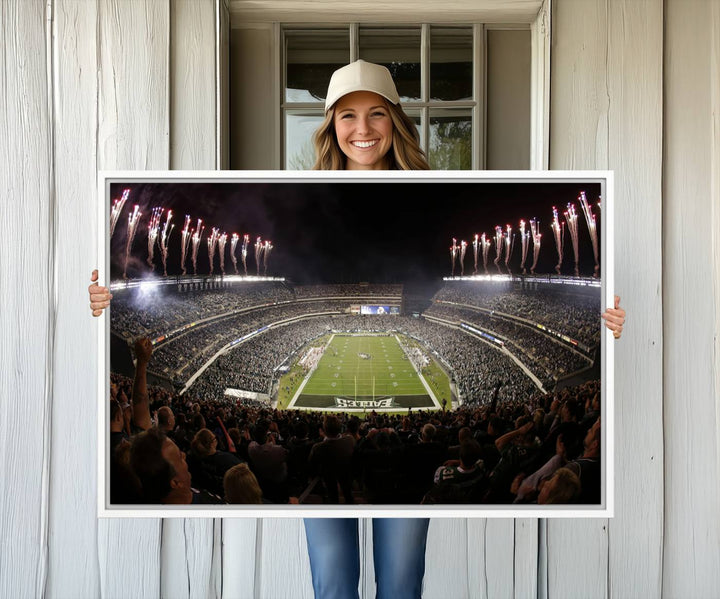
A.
pixel 115 84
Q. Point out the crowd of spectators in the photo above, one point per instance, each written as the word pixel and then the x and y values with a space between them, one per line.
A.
pixel 549 359
pixel 572 314
pixel 359 290
pixel 167 448
pixel 506 443
pixel 159 312
pixel 478 369
pixel 181 357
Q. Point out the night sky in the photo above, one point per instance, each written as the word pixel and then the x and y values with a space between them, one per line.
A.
pixel 382 232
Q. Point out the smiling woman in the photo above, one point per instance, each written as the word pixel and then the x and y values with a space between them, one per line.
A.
pixel 365 127
pixel 364 130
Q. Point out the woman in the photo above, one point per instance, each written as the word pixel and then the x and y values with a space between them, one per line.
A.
pixel 365 129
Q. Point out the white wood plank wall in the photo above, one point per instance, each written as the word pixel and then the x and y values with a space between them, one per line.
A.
pixel 27 212
pixel 133 85
pixel 691 316
pixel 606 112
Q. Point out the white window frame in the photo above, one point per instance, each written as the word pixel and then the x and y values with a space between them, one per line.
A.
pixel 476 106
pixel 536 17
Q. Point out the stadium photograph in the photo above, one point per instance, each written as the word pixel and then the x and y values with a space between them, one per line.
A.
pixel 381 343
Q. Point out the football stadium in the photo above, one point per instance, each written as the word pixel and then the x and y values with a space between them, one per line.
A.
pixel 283 383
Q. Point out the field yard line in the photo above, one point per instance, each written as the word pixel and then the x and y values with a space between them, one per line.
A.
pixel 422 378
pixel 307 376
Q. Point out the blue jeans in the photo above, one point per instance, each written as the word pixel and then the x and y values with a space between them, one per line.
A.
pixel 398 552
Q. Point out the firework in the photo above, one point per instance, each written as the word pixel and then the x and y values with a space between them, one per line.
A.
pixel 463 249
pixel 509 245
pixel 117 209
pixel 267 248
pixel 453 256
pixel 498 247
pixel 536 239
pixel 185 242
pixel 233 245
pixel 525 242
pixel 485 245
pixel 197 236
pixel 571 218
pixel 258 254
pixel 164 238
pixel 246 241
pixel 222 240
pixel 212 245
pixel 133 220
pixel 590 219
pixel 153 231
pixel 475 252
pixel 559 233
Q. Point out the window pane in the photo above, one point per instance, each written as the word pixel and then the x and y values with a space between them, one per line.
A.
pixel 414 115
pixel 299 150
pixel 451 54
pixel 311 58
pixel 398 50
pixel 450 139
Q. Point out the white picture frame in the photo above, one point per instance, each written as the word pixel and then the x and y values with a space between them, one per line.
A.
pixel 447 178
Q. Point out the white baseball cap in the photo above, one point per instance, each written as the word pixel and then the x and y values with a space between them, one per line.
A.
pixel 361 76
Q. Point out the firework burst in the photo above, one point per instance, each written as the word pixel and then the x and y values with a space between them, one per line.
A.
pixel 165 238
pixel 558 230
pixel 233 245
pixel 153 232
pixel 571 219
pixel 267 248
pixel 453 256
pixel 117 209
pixel 222 240
pixel 197 236
pixel 509 245
pixel 536 239
pixel 485 244
pixel 244 252
pixel 498 247
pixel 187 233
pixel 212 246
pixel 592 227
pixel 133 221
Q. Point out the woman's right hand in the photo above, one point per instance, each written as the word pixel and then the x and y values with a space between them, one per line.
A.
pixel 99 296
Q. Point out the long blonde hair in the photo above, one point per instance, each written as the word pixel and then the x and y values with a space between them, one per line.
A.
pixel 405 154
pixel 241 485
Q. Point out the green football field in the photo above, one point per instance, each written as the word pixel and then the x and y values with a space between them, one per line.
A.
pixel 364 372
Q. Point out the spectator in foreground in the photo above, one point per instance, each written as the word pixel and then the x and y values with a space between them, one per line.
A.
pixel 161 468
pixel 207 464
pixel 562 487
pixel 241 486
pixel 587 466
pixel 332 458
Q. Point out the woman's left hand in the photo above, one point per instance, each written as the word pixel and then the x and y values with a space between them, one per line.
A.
pixel 615 318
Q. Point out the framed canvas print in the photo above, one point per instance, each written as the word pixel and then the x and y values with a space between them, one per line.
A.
pixel 356 344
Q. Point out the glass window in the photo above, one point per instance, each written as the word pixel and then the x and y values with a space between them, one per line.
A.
pixel 437 76
pixel 399 51
pixel 451 63
pixel 310 59
pixel 299 149
pixel 450 146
